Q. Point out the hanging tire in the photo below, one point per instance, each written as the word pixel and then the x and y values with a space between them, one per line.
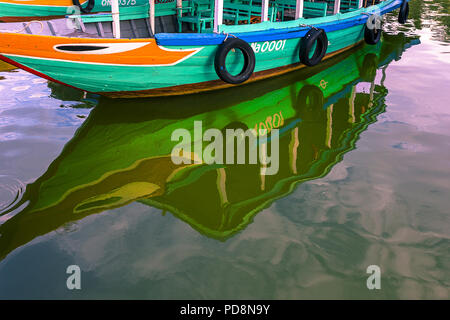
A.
pixel 307 44
pixel 88 8
pixel 221 56
pixel 372 30
pixel 404 12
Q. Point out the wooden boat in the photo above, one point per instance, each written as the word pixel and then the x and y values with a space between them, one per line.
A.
pixel 26 10
pixel 92 174
pixel 136 52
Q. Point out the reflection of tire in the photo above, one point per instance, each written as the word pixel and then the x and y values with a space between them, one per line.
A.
pixel 313 36
pixel 88 8
pixel 234 141
pixel 371 34
pixel 404 12
pixel 235 125
pixel 221 56
pixel 310 103
pixel 368 71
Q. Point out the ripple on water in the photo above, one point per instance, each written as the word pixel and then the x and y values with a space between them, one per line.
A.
pixel 20 88
pixel 11 190
pixel 39 80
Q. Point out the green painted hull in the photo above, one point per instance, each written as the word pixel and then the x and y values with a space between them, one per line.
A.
pixel 199 69
pixel 106 78
pixel 119 156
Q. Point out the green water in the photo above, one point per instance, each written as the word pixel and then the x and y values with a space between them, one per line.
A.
pixel 364 179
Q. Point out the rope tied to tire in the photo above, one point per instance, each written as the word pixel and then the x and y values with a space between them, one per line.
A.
pixel 226 36
pixel 308 26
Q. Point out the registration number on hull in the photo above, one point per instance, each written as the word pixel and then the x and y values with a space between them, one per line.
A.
pixel 268 46
pixel 107 3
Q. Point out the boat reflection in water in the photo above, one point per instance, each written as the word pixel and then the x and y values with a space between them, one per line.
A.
pixel 6 67
pixel 122 152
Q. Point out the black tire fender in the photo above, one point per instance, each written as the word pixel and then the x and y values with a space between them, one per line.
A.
pixel 221 55
pixel 404 12
pixel 307 43
pixel 88 8
pixel 372 30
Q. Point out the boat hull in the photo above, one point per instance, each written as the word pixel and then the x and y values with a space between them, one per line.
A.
pixel 174 64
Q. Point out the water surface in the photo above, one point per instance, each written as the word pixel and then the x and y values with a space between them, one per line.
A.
pixel 364 179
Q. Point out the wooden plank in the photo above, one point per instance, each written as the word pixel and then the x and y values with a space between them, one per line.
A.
pixel 82 26
pixel 147 24
pixel 134 29
pixel 51 27
pixel 100 30
pixel 27 28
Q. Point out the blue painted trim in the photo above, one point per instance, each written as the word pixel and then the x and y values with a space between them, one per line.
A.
pixel 204 39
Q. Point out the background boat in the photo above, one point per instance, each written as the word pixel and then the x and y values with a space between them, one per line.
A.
pixel 19 10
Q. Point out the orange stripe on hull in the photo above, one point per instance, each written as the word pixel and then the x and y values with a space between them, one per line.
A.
pixel 131 52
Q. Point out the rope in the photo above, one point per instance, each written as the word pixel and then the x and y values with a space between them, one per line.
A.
pixel 228 34
pixel 367 14
pixel 308 25
pixel 26 26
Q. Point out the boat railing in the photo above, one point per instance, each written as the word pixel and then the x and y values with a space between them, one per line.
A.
pixel 214 15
